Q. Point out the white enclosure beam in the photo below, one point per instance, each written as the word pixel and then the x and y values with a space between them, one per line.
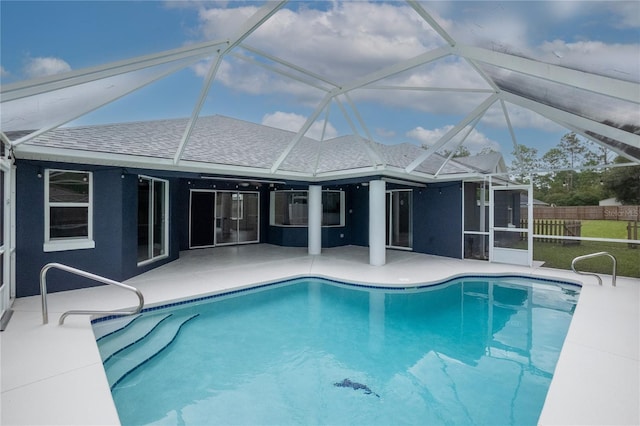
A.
pixel 431 89
pixel 249 26
pixel 358 116
pixel 288 64
pixel 255 21
pixel 373 155
pixel 60 81
pixel 618 151
pixel 432 22
pixel 560 116
pixel 511 132
pixel 5 139
pixel 106 101
pixel 319 147
pixel 478 111
pixel 454 149
pixel 213 69
pixel 432 55
pixel 608 86
pixel 276 70
pixel 301 132
pixel 314 223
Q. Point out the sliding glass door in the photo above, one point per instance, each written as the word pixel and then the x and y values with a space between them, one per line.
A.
pixel 153 213
pixel 223 218
pixel 399 223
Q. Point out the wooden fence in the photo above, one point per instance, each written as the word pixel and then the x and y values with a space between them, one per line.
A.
pixel 561 228
pixel 627 213
pixel 570 228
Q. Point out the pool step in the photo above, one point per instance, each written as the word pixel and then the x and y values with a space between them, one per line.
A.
pixel 129 358
pixel 105 328
pixel 127 335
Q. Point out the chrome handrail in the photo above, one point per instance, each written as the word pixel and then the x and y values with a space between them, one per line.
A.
pixel 589 256
pixel 43 292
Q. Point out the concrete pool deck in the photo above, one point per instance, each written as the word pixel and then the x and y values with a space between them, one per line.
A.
pixel 53 374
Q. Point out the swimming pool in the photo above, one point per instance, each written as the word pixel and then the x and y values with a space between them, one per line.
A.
pixel 474 350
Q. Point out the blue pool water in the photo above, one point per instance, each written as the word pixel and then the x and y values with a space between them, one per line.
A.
pixel 472 351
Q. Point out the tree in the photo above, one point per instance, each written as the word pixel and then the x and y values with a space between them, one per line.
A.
pixel 623 182
pixel 524 162
pixel 573 149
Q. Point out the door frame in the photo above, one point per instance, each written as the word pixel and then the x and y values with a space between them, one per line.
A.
pixel 510 255
pixel 389 219
pixel 8 248
pixel 215 214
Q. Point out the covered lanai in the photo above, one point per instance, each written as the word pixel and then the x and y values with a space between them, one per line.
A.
pixel 311 126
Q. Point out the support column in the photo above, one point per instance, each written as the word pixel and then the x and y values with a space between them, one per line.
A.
pixel 315 219
pixel 377 222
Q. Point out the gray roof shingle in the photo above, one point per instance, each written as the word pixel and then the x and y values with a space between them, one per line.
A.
pixel 228 141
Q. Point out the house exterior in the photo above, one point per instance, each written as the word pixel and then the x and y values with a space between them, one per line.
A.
pixel 109 199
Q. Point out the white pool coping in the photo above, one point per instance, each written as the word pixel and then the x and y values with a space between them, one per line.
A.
pixel 53 375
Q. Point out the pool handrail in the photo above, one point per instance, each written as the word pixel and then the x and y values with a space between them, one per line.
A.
pixel 85 274
pixel 589 256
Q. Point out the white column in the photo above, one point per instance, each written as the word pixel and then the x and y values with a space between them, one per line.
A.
pixel 315 219
pixel 377 222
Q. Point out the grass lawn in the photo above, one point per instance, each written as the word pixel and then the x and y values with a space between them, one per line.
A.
pixel 555 255
pixel 559 256
pixel 604 229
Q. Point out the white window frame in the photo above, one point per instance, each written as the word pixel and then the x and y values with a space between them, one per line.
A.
pixel 68 243
pixel 165 214
pixel 272 208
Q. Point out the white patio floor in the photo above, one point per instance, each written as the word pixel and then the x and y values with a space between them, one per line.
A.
pixel 53 374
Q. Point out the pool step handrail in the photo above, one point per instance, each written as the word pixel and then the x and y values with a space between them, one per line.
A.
pixel 598 254
pixel 85 274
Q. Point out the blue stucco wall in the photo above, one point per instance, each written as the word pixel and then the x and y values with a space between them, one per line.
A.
pixel 437 225
pixel 358 215
pixel 437 220
pixel 114 229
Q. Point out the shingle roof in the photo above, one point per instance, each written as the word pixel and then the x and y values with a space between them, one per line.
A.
pixel 486 163
pixel 228 141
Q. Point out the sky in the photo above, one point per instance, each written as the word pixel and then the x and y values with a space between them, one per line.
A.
pixel 338 40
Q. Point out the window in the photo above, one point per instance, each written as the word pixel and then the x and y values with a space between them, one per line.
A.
pixel 68 210
pixel 290 208
pixel 153 213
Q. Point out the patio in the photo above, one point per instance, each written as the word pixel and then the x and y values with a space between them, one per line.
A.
pixel 596 379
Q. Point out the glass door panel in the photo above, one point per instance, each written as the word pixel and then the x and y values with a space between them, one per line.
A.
pixel 246 206
pixel 201 215
pixel 144 212
pixel 159 219
pixel 399 226
pixel 226 222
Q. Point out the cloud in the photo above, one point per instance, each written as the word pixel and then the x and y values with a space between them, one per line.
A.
pixel 333 40
pixel 3 72
pixel 384 133
pixel 594 56
pixel 347 45
pixel 475 142
pixel 248 78
pixel 44 66
pixel 628 13
pixel 520 118
pixel 294 122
